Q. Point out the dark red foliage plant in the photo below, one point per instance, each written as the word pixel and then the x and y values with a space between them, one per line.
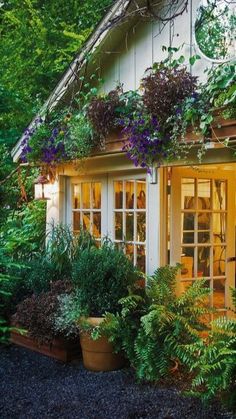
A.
pixel 164 88
pixel 102 112
pixel 36 313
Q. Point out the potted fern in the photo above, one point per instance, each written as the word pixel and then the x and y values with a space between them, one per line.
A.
pixel 101 277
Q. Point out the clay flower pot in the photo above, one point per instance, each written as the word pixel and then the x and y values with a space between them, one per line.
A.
pixel 98 354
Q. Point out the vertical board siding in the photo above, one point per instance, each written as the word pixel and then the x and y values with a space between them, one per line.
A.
pixel 142 45
pixel 143 50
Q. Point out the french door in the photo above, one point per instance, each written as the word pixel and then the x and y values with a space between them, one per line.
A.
pixel 202 231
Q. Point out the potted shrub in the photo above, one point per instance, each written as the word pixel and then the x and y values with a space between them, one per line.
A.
pixel 101 276
pixel 35 318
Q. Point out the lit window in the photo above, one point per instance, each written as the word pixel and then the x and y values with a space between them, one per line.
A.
pixel 129 219
pixel 87 208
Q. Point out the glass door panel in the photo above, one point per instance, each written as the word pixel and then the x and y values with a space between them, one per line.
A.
pixel 202 241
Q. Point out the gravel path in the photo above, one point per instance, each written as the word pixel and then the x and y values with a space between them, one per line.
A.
pixel 33 386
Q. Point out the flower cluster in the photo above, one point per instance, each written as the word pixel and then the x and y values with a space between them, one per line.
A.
pixel 146 143
pixel 42 143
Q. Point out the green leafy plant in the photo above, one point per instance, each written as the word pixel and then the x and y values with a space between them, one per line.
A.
pixel 80 138
pixel 101 276
pixel 63 248
pixel 7 279
pixel 154 323
pixel 213 362
pixel 24 232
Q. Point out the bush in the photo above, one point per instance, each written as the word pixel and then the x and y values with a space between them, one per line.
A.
pixel 154 323
pixel 102 276
pixel 36 313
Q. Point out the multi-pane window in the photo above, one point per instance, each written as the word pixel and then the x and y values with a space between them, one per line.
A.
pixel 203 225
pixel 87 208
pixel 129 219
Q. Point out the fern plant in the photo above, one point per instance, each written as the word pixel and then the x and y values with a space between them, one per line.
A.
pixel 154 323
pixel 213 361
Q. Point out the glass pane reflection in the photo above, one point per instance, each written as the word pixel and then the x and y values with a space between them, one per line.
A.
pixel 86 221
pixel 203 265
pixel 141 258
pixel 118 226
pixel 86 195
pixel 219 293
pixel 219 227
pixel 129 226
pixel 129 186
pixel 187 260
pixel 218 261
pixel 97 224
pixel 188 193
pixel 96 195
pixel 219 194
pixel 76 221
pixel 118 189
pixel 76 196
pixel 141 226
pixel 141 195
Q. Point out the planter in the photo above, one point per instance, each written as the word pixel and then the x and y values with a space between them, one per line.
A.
pixel 113 143
pixel 222 128
pixel 192 137
pixel 98 354
pixel 60 349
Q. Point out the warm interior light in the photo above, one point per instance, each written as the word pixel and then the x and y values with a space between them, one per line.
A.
pixel 41 188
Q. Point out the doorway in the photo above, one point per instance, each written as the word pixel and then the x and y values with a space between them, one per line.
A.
pixel 202 230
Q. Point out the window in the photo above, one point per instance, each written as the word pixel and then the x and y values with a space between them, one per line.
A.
pixel 129 218
pixel 87 207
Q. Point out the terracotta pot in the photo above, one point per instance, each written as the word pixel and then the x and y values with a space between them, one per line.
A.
pixel 98 354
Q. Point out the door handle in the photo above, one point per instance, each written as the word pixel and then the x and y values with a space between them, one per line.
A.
pixel 232 259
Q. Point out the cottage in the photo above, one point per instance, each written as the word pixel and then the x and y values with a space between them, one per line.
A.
pixel 180 211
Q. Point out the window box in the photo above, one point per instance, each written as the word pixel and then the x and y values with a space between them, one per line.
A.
pixel 60 349
pixel 223 128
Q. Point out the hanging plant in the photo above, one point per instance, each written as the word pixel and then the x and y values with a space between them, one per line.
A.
pixel 44 142
pixel 147 144
pixel 164 88
pixel 101 112
pixel 64 136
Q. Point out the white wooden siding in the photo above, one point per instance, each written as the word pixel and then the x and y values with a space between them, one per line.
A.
pixel 141 46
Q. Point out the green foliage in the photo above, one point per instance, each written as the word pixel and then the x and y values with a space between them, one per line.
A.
pixel 6 281
pixel 63 248
pixel 80 141
pixel 213 362
pixel 101 276
pixel 23 234
pixel 154 323
pixel 38 41
pixel 66 319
